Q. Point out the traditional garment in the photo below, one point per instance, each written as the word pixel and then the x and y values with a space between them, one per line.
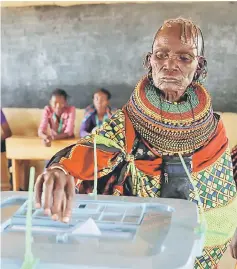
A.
pixel 130 150
pixel 90 120
pixel 64 124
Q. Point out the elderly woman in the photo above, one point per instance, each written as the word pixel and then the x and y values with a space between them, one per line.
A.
pixel 169 113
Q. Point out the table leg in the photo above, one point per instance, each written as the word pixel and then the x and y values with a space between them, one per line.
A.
pixel 5 175
pixel 16 174
pixel 24 175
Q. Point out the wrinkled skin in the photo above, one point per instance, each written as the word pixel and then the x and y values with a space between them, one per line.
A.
pixel 61 188
pixel 173 65
pixel 173 62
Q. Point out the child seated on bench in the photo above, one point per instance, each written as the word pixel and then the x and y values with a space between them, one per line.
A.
pixel 97 113
pixel 59 117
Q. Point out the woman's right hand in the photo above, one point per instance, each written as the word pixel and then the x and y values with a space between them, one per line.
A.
pixel 57 190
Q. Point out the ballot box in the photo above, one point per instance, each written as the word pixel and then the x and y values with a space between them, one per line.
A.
pixel 104 232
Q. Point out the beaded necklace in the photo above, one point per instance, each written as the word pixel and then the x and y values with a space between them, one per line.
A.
pixel 172 127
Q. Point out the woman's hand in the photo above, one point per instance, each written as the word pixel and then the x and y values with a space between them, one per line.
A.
pixel 57 189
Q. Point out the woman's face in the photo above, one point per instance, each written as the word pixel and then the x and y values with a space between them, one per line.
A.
pixel 100 101
pixel 173 62
pixel 58 103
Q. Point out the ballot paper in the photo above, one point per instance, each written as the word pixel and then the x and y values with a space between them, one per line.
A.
pixel 89 227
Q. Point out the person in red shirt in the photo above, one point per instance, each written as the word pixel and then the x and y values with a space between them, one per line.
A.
pixel 59 117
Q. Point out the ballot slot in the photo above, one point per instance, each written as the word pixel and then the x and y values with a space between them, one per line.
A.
pixel 111 218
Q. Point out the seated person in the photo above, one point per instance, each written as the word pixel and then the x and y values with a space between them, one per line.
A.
pixel 97 113
pixel 5 133
pixel 59 116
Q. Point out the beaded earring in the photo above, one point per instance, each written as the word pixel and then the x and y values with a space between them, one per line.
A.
pixel 201 73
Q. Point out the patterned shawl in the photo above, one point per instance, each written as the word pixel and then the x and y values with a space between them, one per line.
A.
pixel 118 165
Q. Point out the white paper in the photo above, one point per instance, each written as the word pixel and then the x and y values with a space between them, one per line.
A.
pixel 88 228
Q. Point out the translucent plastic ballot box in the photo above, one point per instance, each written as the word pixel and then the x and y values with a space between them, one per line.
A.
pixel 104 232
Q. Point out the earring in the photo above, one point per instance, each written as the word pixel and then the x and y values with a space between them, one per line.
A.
pixel 149 76
pixel 146 61
pixel 196 76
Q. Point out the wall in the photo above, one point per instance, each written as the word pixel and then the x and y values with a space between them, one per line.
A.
pixel 81 48
pixel 65 3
